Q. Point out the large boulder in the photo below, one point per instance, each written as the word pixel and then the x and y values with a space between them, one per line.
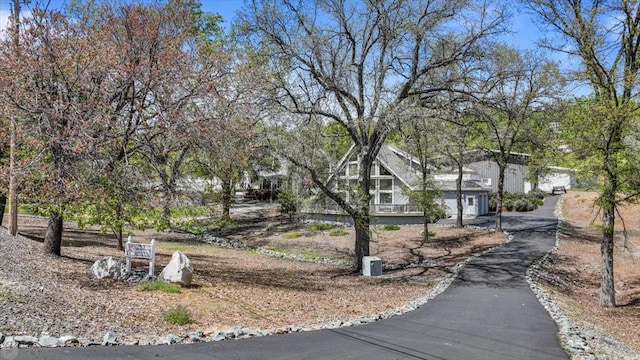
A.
pixel 108 267
pixel 179 270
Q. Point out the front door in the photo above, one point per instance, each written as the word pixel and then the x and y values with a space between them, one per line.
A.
pixel 472 206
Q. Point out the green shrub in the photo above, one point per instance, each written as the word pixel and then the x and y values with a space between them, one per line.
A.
pixel 508 204
pixel 391 227
pixel 178 316
pixel 537 193
pixel 291 235
pixel 431 234
pixel 321 227
pixel 158 285
pixel 338 232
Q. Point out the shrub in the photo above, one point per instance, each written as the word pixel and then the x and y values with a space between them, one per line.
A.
pixel 431 234
pixel 391 227
pixel 508 204
pixel 537 193
pixel 338 232
pixel 178 316
pixel 291 235
pixel 521 205
pixel 158 285
pixel 321 227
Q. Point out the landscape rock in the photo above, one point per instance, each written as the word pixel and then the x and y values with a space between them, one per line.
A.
pixel 1 338
pixel 9 342
pixel 171 339
pixel 49 341
pixel 25 340
pixel 196 336
pixel 109 339
pixel 108 267
pixel 65 340
pixel 88 342
pixel 218 336
pixel 179 270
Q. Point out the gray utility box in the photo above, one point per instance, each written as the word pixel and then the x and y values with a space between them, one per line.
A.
pixel 371 266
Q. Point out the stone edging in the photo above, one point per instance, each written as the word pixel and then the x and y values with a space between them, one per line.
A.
pixel 110 338
pixel 574 338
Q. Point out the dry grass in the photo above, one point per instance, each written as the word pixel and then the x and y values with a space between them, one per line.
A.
pixel 578 265
pixel 230 287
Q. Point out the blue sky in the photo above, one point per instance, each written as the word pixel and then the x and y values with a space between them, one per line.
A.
pixel 525 36
pixel 525 31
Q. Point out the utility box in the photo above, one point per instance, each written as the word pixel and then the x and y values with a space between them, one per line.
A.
pixel 371 266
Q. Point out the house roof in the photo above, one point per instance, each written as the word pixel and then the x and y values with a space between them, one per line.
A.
pixel 467 185
pixel 397 162
pixel 394 160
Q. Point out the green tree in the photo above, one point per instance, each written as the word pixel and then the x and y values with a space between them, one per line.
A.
pixel 604 36
pixel 354 64
pixel 517 86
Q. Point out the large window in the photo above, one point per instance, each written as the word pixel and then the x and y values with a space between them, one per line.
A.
pixel 386 184
pixel 386 198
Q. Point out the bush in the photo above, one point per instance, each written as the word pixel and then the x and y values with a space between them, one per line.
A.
pixel 521 205
pixel 158 285
pixel 508 204
pixel 431 234
pixel 291 235
pixel 288 203
pixel 338 232
pixel 178 316
pixel 391 227
pixel 321 227
pixel 537 193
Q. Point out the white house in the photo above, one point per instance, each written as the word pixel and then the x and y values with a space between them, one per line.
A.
pixel 394 172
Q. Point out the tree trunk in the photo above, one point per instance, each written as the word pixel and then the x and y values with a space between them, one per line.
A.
pixel 227 188
pixel 607 284
pixel 459 197
pixel 13 210
pixel 425 237
pixel 3 205
pixel 363 237
pixel 119 236
pixel 53 236
pixel 499 197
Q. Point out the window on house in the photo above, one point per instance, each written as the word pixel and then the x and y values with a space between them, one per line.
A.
pixel 386 198
pixel 353 183
pixel 386 184
pixel 470 201
pixel 384 171
pixel 372 184
pixel 353 169
pixel 373 169
pixel 486 181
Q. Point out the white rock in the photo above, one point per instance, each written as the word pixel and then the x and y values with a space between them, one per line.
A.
pixel 64 340
pixel 108 267
pixel 179 270
pixel 48 341
pixel 25 340
pixel 109 338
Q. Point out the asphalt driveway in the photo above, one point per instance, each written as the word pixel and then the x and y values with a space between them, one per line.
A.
pixel 489 312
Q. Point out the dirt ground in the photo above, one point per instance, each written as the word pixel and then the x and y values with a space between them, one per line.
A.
pixel 577 269
pixel 231 288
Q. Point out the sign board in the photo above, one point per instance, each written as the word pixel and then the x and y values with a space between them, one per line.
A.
pixel 137 250
pixel 140 251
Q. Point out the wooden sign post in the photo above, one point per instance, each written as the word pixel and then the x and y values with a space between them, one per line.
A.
pixel 141 251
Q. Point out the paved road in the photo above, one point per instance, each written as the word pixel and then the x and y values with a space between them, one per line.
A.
pixel 488 313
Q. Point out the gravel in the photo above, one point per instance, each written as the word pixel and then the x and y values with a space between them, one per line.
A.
pixel 578 341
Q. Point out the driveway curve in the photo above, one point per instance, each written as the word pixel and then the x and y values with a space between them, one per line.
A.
pixel 489 312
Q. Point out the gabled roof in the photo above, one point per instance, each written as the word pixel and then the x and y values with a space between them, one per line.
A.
pixel 394 160
pixel 391 158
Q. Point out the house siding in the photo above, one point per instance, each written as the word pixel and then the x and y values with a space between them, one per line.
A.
pixel 514 179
